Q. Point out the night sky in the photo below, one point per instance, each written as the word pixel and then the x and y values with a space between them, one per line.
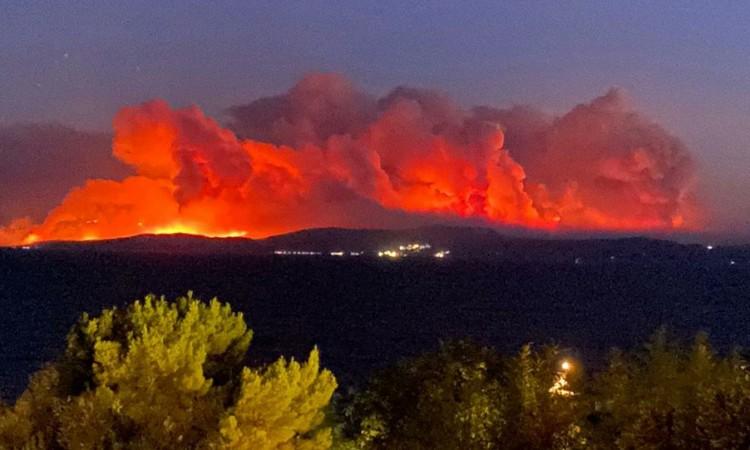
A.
pixel 686 66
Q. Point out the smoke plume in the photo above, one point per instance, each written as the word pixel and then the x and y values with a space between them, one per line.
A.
pixel 327 154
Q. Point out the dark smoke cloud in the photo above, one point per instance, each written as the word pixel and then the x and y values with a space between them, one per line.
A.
pixel 39 163
pixel 316 108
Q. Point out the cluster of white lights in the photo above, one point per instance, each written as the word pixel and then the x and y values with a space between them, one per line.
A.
pixel 338 253
pixel 296 252
pixel 393 253
pixel 404 250
pixel 389 254
pixel 343 253
pixel 414 248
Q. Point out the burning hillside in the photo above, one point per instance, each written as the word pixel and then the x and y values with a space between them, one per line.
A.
pixel 326 154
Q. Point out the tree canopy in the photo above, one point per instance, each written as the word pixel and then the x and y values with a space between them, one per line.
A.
pixel 466 396
pixel 159 375
pixel 665 395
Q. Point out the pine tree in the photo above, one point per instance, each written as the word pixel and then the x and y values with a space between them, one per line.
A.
pixel 161 375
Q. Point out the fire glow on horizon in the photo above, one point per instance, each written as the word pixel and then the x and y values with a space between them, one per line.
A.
pixel 325 154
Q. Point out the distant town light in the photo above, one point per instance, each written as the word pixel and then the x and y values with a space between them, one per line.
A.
pixel 404 250
pixel 709 247
pixel 392 253
pixel 296 253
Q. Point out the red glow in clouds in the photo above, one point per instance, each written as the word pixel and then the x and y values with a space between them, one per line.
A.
pixel 324 154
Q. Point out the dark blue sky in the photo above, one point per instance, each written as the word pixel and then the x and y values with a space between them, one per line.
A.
pixel 686 65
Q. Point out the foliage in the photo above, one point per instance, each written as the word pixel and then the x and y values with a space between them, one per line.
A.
pixel 160 375
pixel 465 397
pixel 665 396
pixel 671 397
pixel 545 403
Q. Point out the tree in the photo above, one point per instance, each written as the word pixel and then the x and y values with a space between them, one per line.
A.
pixel 161 374
pixel 465 396
pixel 668 396
pixel 546 401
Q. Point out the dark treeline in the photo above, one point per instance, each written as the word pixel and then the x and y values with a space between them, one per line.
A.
pixel 159 374
pixel 664 395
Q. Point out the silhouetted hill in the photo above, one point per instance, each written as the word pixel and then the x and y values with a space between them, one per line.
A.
pixel 463 242
pixel 467 240
pixel 168 243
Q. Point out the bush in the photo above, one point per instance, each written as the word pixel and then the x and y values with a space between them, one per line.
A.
pixel 160 375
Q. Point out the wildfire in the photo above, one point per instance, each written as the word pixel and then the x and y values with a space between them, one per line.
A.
pixel 30 239
pixel 181 228
pixel 332 156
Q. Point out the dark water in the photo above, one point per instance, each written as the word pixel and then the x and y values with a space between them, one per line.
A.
pixel 367 313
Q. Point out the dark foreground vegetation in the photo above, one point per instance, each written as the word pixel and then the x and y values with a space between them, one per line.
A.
pixel 159 375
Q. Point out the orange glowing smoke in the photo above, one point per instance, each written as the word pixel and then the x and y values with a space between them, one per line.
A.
pixel 325 154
